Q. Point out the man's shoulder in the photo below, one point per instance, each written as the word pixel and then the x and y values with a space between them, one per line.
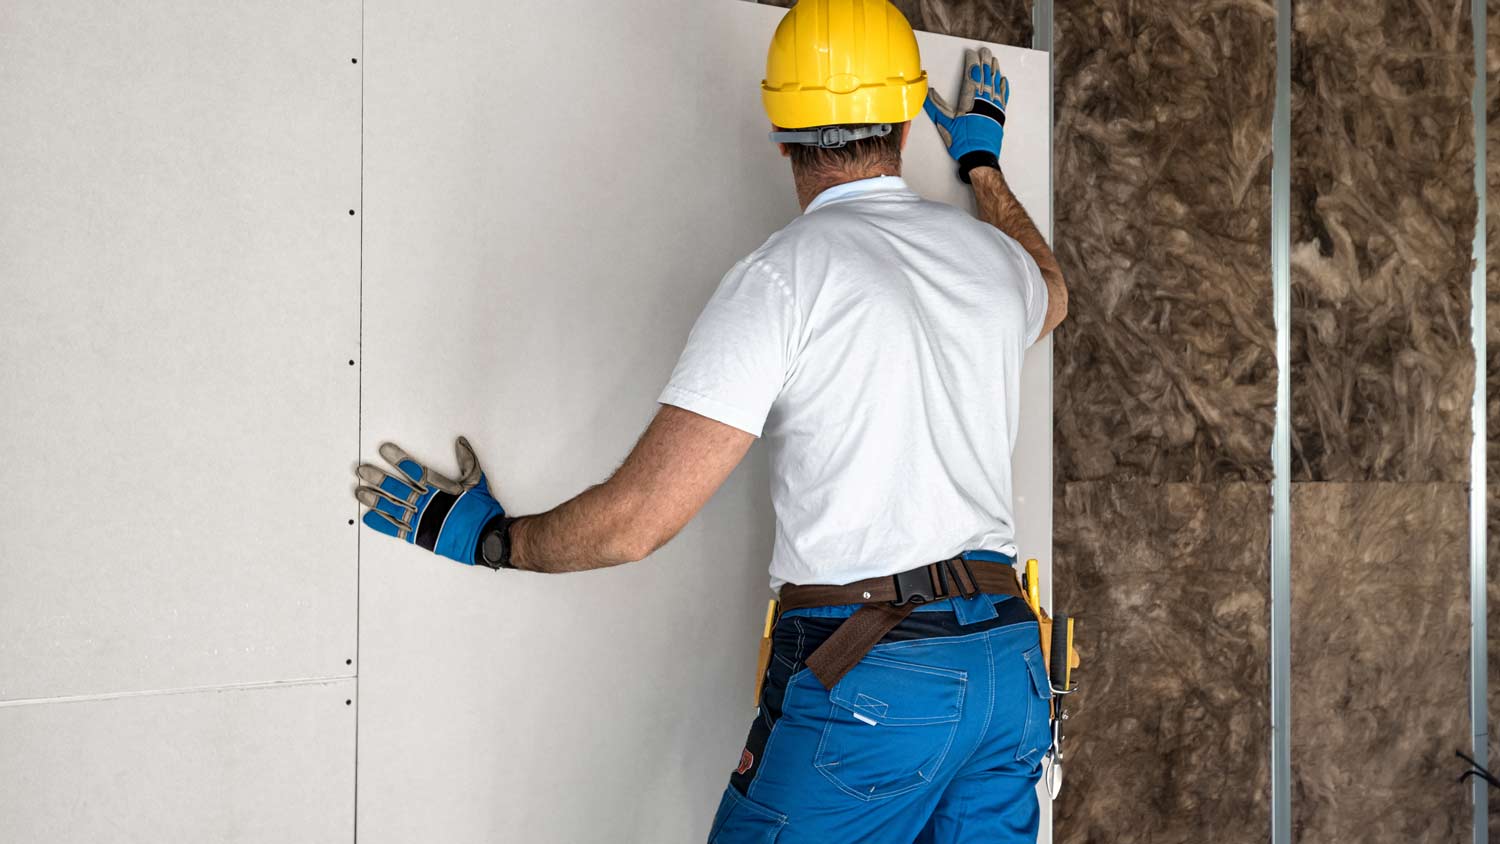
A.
pixel 847 223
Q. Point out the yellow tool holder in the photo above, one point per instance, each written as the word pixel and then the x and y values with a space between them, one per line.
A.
pixel 1033 587
pixel 765 650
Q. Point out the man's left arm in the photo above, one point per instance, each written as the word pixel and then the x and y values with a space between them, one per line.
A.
pixel 675 468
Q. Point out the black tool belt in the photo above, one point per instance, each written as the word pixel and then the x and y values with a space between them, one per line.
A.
pixel 887 602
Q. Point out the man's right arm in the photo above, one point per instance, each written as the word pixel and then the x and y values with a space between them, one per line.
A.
pixel 1000 208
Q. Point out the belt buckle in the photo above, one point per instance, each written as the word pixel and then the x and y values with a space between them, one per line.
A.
pixel 912 587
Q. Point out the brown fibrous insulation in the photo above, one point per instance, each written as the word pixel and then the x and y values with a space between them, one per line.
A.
pixel 1492 377
pixel 1169 735
pixel 995 21
pixel 1379 661
pixel 1165 368
pixel 1382 232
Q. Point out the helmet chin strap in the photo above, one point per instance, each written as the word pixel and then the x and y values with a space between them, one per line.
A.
pixel 830 137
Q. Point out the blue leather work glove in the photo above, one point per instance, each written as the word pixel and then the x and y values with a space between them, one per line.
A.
pixel 975 129
pixel 425 508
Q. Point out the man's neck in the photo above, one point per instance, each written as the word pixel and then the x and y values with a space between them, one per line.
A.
pixel 808 187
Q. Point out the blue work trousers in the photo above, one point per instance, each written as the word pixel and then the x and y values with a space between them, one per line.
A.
pixel 936 736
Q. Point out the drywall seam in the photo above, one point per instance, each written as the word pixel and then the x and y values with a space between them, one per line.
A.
pixel 1281 452
pixel 359 408
pixel 1478 478
pixel 184 690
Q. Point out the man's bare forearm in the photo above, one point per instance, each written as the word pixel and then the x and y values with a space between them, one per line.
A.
pixel 589 531
pixel 674 469
pixel 1000 208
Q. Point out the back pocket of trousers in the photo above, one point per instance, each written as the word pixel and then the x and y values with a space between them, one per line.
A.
pixel 890 726
pixel 740 820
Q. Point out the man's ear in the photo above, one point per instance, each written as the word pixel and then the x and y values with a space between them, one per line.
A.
pixel 786 151
pixel 905 133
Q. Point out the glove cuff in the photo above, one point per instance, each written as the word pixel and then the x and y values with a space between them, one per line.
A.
pixel 978 158
pixel 493 548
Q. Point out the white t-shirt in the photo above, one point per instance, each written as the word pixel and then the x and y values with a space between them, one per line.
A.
pixel 876 344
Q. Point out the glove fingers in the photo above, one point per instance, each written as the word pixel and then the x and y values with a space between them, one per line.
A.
pixel 937 109
pixel 444 483
pixel 385 514
pixel 409 468
pixel 370 475
pixel 384 524
pixel 999 85
pixel 988 67
pixel 396 488
pixel 973 78
pixel 386 503
pixel 468 463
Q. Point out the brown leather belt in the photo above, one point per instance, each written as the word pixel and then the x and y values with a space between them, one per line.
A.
pixel 887 602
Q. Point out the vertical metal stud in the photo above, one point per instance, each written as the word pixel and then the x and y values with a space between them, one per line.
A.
pixel 1041 39
pixel 1478 483
pixel 1281 448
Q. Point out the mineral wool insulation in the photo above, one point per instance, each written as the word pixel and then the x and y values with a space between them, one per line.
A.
pixel 995 21
pixel 1164 398
pixel 1383 212
pixel 1382 227
pixel 1492 378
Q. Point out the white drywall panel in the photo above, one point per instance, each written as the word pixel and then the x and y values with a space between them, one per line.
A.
pixel 179 283
pixel 554 190
pixel 260 764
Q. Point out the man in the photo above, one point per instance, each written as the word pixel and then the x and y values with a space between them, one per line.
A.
pixel 876 343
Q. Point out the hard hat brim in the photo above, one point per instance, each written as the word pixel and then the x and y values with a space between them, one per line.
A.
pixel 882 103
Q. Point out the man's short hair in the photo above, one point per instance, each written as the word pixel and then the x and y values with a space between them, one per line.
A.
pixel 853 156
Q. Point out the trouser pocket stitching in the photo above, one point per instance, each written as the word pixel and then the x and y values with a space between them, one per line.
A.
pixel 883 722
pixel 1036 733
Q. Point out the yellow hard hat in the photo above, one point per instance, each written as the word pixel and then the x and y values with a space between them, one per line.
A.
pixel 837 62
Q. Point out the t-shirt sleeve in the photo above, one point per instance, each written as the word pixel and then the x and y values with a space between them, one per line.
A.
pixel 739 351
pixel 1035 289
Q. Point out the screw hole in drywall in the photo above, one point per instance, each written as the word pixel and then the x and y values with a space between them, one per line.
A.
pixel 351 363
pixel 351 521
pixel 348 662
pixel 348 703
pixel 351 212
pixel 354 61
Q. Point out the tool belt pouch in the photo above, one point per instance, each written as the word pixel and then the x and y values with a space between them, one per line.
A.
pixel 1044 626
pixel 764 661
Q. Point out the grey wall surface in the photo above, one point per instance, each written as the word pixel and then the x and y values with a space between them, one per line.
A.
pixel 266 763
pixel 193 630
pixel 179 308
pixel 180 278
pixel 537 245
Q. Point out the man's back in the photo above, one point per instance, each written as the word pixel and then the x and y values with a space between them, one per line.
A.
pixel 876 343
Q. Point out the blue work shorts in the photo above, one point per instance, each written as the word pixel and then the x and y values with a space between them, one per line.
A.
pixel 936 736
